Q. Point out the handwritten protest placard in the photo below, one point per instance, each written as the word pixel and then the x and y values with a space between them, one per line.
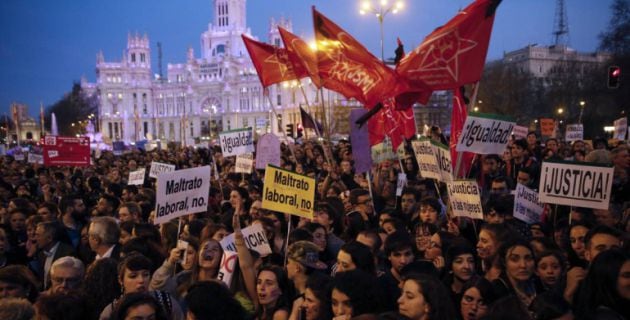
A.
pixel 520 132
pixel 288 192
pixel 244 163
pixel 621 126
pixel 485 133
pixel 158 168
pixel 465 199
pixel 426 158
pixel 182 192
pixel 527 208
pixel 574 132
pixel 136 177
pixel 237 141
pixel 580 185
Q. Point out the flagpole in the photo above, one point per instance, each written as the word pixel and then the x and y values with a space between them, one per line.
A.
pixel 458 163
pixel 324 122
pixel 273 110
pixel 308 108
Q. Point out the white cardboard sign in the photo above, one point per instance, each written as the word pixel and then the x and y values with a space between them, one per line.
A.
pixel 182 192
pixel 136 178
pixel 465 199
pixel 157 168
pixel 255 239
pixel 237 142
pixel 527 208
pixel 485 133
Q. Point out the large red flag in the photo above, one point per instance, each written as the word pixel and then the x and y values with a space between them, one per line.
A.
pixel 458 118
pixel 271 63
pixel 345 66
pixel 397 124
pixel 454 54
pixel 301 56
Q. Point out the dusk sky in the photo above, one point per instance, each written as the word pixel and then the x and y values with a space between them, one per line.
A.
pixel 45 45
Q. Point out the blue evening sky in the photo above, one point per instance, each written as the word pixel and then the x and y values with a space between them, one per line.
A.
pixel 45 45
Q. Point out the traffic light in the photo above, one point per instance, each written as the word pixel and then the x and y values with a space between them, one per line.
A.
pixel 289 130
pixel 614 77
pixel 300 130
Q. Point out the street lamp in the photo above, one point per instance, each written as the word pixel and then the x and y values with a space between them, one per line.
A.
pixel 560 111
pixel 380 10
pixel 582 103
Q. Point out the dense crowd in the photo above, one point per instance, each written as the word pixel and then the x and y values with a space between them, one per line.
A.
pixel 80 243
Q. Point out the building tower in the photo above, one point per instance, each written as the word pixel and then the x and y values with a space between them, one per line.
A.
pixel 274 35
pixel 561 25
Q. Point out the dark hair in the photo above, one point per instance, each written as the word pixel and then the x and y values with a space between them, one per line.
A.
pixel 284 300
pixel 505 249
pixel 361 256
pixel 362 290
pixel 503 204
pixel 522 143
pixel 300 234
pixel 148 249
pixel 433 203
pixel 435 294
pixel 600 284
pixel 397 241
pixel 67 306
pixel 600 229
pixel 321 286
pixel 101 284
pixel 133 262
pixel 485 288
pixel 500 232
pixel 356 193
pixel 373 234
pixel 22 276
pixel 212 300
pixel 549 305
pixel 458 248
pixel 135 299
pixel 508 307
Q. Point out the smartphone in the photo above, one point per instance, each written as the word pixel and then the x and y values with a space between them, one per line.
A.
pixel 183 246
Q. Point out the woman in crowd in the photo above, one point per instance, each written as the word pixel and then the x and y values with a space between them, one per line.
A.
pixel 274 293
pixel 17 281
pixel 477 295
pixel 138 305
pixel 459 268
pixel 551 270
pixel 516 259
pixel 355 293
pixel 100 285
pixel 491 237
pixel 424 298
pixel 166 277
pixel 577 232
pixel 317 304
pixel 355 255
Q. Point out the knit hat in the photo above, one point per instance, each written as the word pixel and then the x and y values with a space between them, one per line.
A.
pixel 306 253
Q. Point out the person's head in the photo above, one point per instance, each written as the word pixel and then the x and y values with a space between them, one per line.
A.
pixel 66 274
pixel 239 197
pixel 138 305
pixel 599 239
pixel 134 273
pixel 191 262
pixel 106 205
pixel 609 216
pixel 62 305
pixel 48 210
pixel 424 297
pixel 552 144
pixel 477 295
pixel 355 293
pixel 17 219
pixel 525 176
pixel 399 250
pixel 317 295
pixel 129 211
pixel 355 255
pixel 439 243
pixel 216 231
pixel 532 138
pixel 372 239
pixel 409 201
pixel 47 235
pixel 430 209
pixel 460 261
pixel 103 232
pixel 210 253
pixel 577 233
pixel 302 259
pixel 212 300
pixel 361 201
pixel 273 287
pixel 516 258
pixel 499 186
pixel 491 237
pixel 325 215
pixel 491 163
pixel 319 234
pixel 17 281
pixel 519 149
pixel 16 309
pixel 497 208
pixel 620 157
pixel 550 266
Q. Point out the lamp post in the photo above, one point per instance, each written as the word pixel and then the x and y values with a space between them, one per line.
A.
pixel 380 10
pixel 582 103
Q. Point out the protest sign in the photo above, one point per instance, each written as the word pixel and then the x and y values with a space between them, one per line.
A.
pixel 485 133
pixel 443 155
pixel 360 142
pixel 66 151
pixel 255 239
pixel 288 192
pixel 136 178
pixel 267 151
pixel 465 199
pixel 621 126
pixel 244 163
pixel 226 270
pixel 182 192
pixel 427 159
pixel 574 132
pixel 580 185
pixel 527 208
pixel 383 151
pixel 402 183
pixel 19 156
pixel 547 127
pixel 237 141
pixel 157 168
pixel 118 147
pixel 520 132
pixel 35 158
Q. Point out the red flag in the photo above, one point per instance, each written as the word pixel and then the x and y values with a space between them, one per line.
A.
pixel 455 53
pixel 408 99
pixel 272 63
pixel 347 67
pixel 458 118
pixel 301 56
pixel 397 124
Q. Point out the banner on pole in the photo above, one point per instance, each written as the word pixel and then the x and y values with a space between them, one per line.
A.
pixel 465 199
pixel 66 151
pixel 158 168
pixel 237 141
pixel 136 178
pixel 485 133
pixel 580 185
pixel 574 132
pixel 288 192
pixel 267 151
pixel 527 208
pixel 255 239
pixel 244 163
pixel 182 192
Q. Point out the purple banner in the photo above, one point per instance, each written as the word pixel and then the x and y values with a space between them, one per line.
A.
pixel 360 143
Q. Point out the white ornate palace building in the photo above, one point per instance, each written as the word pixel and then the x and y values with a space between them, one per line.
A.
pixel 204 95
